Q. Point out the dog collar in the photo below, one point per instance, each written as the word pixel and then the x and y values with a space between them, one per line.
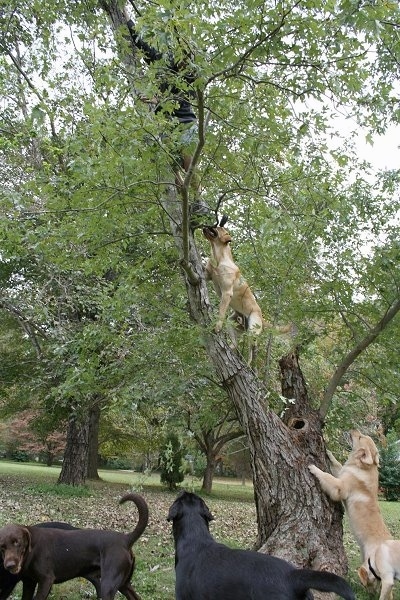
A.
pixel 372 571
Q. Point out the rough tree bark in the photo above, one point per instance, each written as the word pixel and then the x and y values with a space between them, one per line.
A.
pixel 208 475
pixel 74 467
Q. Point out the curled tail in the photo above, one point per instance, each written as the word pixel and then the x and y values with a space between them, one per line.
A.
pixel 143 510
pixel 323 581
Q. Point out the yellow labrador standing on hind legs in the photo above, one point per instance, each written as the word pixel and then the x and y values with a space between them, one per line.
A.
pixel 356 485
pixel 231 287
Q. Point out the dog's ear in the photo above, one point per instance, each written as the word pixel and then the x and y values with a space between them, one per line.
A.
pixel 173 513
pixel 205 512
pixel 365 456
pixel 176 508
pixel 363 575
pixel 27 538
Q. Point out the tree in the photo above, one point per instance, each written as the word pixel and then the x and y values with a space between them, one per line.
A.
pixel 211 443
pixel 264 431
pixel 213 425
pixel 308 224
pixel 74 467
pixel 22 435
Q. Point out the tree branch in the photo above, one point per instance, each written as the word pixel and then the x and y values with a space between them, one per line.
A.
pixel 34 89
pixel 31 329
pixel 353 355
pixel 239 64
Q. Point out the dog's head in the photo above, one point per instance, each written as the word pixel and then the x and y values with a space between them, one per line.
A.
pixel 217 235
pixel 364 453
pixel 186 504
pixel 15 543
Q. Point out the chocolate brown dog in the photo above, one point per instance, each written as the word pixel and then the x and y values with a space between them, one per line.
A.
pixel 8 580
pixel 47 556
pixel 207 570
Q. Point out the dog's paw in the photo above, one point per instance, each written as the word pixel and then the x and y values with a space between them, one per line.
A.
pixel 332 459
pixel 313 469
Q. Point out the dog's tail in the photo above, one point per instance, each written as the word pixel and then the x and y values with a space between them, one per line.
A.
pixel 143 510
pixel 323 581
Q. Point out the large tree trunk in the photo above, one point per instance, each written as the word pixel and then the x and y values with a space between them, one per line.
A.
pixel 74 466
pixel 295 520
pixel 208 475
pixel 93 449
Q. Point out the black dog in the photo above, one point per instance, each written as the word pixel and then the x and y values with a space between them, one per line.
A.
pixel 205 569
pixel 8 580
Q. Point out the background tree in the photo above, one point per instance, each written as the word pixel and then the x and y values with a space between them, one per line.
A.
pixel 23 434
pixel 213 424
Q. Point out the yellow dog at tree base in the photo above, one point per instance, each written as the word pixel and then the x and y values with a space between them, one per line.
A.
pixel 356 484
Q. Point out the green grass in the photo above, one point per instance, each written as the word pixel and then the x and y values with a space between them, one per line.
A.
pixel 223 488
pixel 29 493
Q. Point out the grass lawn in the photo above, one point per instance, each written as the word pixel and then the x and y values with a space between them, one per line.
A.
pixel 29 494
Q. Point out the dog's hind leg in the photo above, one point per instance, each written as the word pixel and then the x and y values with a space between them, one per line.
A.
pixel 109 589
pixel 111 581
pixel 128 591
pixel 387 589
pixel 116 576
pixel 254 328
pixel 255 323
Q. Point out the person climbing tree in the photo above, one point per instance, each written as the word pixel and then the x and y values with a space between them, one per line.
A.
pixel 180 111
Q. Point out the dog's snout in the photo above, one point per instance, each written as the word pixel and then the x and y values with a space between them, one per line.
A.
pixel 11 565
pixel 347 439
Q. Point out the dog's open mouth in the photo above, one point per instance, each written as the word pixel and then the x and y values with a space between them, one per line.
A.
pixel 347 439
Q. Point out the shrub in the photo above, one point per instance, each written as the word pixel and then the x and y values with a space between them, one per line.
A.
pixel 171 458
pixel 20 456
pixel 119 463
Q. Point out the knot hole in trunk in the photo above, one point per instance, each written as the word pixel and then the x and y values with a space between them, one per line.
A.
pixel 298 423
